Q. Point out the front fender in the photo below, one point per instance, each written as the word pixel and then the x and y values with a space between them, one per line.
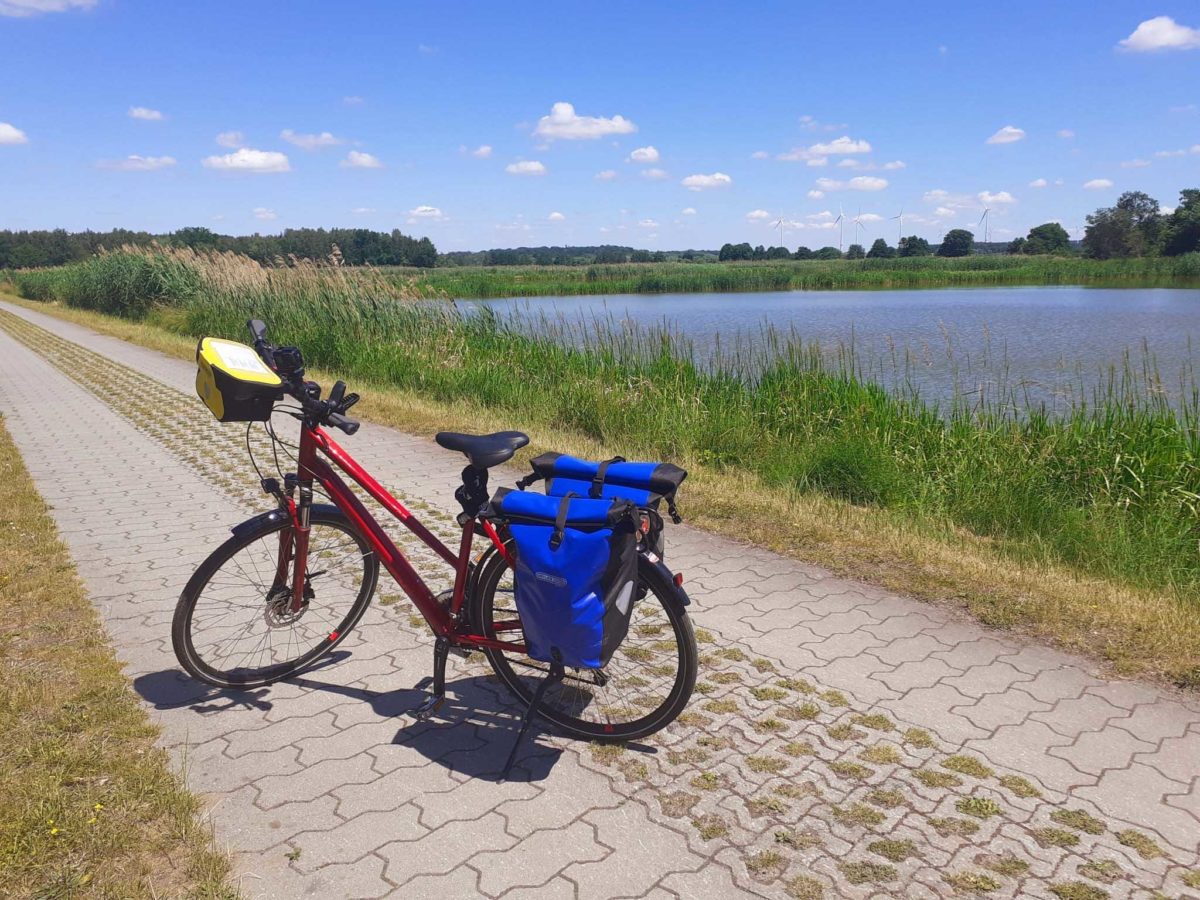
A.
pixel 275 516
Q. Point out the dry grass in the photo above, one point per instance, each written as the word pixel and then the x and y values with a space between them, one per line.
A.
pixel 91 805
pixel 1142 632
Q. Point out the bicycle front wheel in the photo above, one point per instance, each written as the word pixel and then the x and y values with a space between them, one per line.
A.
pixel 234 626
pixel 645 685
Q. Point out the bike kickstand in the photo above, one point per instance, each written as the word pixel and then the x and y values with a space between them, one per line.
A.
pixel 555 674
pixel 437 696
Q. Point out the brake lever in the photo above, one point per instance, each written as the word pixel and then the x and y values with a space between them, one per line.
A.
pixel 348 401
pixel 336 393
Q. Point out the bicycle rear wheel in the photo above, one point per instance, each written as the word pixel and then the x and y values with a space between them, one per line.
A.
pixel 645 685
pixel 234 627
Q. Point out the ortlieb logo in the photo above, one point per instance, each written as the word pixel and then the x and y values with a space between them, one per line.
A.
pixel 556 580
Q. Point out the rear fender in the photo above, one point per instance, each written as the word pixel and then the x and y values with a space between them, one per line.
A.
pixel 656 561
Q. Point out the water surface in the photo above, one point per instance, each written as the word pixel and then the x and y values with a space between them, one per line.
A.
pixel 1048 343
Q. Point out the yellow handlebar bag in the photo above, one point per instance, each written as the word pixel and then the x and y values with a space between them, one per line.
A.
pixel 234 383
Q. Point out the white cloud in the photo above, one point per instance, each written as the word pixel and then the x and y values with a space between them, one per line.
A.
pixel 363 210
pixel 21 8
pixel 655 174
pixel 232 139
pixel 11 134
pixel 1038 183
pixel 705 182
pixel 758 215
pixel 1009 134
pixel 859 183
pixel 1161 33
pixel 248 160
pixel 839 147
pixel 1066 133
pixel 525 167
pixel 687 211
pixel 483 151
pixel 1166 154
pixel 556 217
pixel 426 49
pixel 944 212
pixel 893 165
pixel 1135 163
pixel 135 163
pixel 606 175
pixel 870 217
pixel 987 198
pixel 823 216
pixel 357 159
pixel 426 212
pixel 1097 184
pixel 145 114
pixel 760 154
pixel 644 155
pixel 565 124
pixel 266 215
pixel 815 194
pixel 849 164
pixel 647 223
pixel 809 123
pixel 310 141
pixel 353 100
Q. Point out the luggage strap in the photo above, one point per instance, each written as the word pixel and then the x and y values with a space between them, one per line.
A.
pixel 560 521
pixel 597 487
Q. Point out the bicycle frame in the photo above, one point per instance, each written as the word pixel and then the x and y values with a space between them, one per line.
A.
pixel 315 442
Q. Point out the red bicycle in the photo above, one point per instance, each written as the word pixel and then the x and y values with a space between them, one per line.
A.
pixel 292 582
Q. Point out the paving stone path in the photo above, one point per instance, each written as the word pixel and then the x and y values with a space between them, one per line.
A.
pixel 843 741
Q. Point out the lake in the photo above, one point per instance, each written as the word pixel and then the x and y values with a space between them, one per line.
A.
pixel 1050 343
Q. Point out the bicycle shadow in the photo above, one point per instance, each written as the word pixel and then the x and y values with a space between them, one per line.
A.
pixel 471 734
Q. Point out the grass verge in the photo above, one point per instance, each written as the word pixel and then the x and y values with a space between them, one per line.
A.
pixel 1137 631
pixel 91 805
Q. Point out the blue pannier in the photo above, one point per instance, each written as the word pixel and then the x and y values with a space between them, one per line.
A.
pixel 646 484
pixel 643 483
pixel 575 573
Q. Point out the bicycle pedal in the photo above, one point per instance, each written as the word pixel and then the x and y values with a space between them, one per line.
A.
pixel 428 707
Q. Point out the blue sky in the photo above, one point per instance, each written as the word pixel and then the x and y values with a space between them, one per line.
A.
pixel 487 125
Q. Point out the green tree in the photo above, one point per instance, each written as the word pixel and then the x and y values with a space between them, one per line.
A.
pixel 1131 228
pixel 913 246
pixel 881 250
pixel 1016 245
pixel 1181 230
pixel 855 251
pixel 778 253
pixel 957 242
pixel 803 253
pixel 1048 238
pixel 828 253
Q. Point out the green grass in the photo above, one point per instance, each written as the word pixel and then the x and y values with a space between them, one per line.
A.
pixel 1107 490
pixel 658 278
pixel 91 805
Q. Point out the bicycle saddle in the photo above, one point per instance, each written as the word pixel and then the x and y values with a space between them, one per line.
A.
pixel 483 450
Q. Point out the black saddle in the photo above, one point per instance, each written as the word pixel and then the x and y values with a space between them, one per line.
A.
pixel 484 450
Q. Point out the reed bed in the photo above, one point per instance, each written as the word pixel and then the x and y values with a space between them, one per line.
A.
pixel 1108 485
pixel 882 274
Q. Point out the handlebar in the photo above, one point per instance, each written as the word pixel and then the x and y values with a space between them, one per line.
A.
pixel 328 412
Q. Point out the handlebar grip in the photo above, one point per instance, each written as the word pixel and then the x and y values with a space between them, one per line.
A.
pixel 339 421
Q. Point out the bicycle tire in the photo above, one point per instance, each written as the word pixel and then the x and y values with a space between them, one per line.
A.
pixel 328 636
pixel 658 584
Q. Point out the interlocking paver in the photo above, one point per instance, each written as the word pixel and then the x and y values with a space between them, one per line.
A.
pixel 377 805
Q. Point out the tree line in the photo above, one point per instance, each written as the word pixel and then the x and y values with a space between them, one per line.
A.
pixel 355 246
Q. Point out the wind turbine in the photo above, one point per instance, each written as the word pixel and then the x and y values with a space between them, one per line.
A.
pixel 838 222
pixel 779 224
pixel 900 234
pixel 983 220
pixel 858 226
